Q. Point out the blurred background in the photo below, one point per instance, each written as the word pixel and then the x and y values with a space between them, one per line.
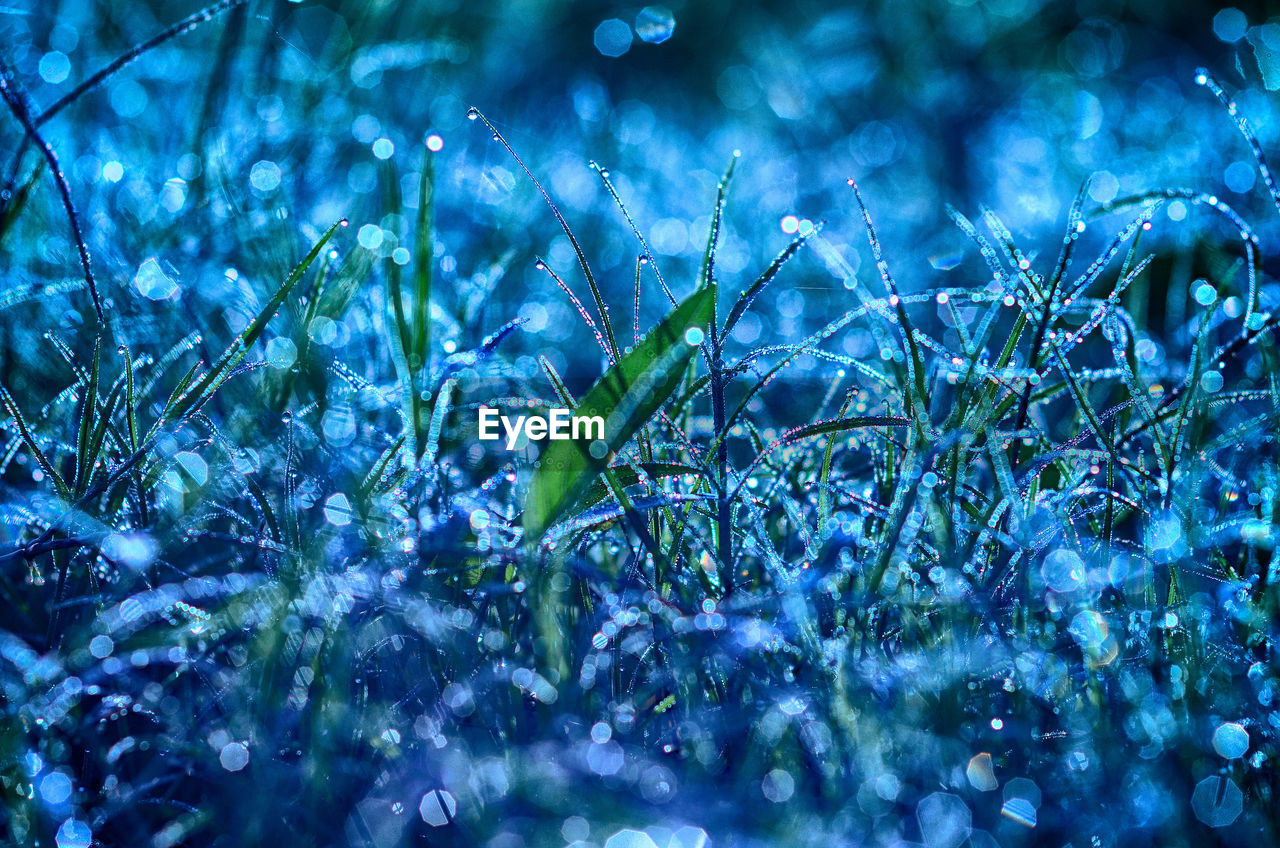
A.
pixel 206 168
pixel 316 110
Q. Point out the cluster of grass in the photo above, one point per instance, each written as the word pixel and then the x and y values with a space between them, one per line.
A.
pixel 1008 581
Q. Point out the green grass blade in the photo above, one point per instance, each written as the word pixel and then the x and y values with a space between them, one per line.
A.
pixel 423 266
pixel 749 295
pixel 130 399
pixel 915 391
pixel 602 311
pixel 404 343
pixel 626 396
pixel 10 211
pixel 841 425
pixel 213 379
pixel 824 473
pixel 628 476
pixel 379 472
pixel 706 276
pixel 88 411
pixel 29 440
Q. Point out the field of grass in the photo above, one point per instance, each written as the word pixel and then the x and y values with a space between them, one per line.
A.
pixel 908 526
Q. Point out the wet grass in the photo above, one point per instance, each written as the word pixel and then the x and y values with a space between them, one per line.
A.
pixel 1007 578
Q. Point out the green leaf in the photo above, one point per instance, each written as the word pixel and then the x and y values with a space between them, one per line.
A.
pixel 626 396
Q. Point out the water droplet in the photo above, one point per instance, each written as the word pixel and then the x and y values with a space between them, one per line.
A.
pixel 153 283
pixel 629 838
pixel 265 176
pixel 1020 811
pixel 655 24
pixel 945 820
pixel 234 756
pixel 74 834
pixel 437 807
pixel 981 773
pixel 778 786
pixel 1231 740
pixel 612 37
pixel 55 788
pixel 101 646
pixel 1217 801
pixel 1211 382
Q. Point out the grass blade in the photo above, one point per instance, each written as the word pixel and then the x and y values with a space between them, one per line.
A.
pixel 626 396
pixel 192 398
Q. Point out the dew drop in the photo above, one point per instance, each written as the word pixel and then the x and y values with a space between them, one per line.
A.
pixel 234 756
pixel 655 24
pixel 1231 740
